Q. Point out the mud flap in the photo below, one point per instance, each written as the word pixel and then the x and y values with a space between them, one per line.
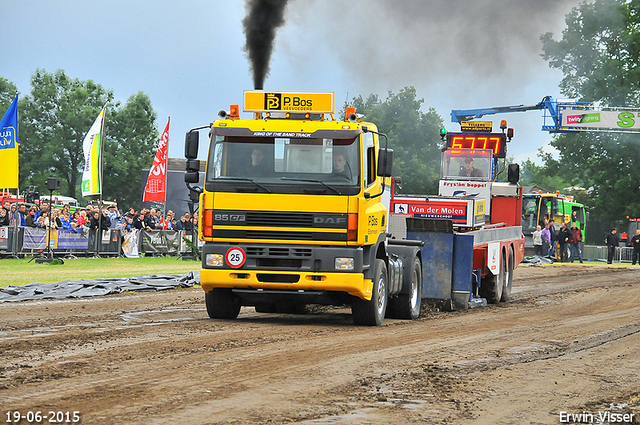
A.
pixel 462 273
pixel 460 300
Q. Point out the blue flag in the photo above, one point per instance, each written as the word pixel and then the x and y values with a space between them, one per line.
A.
pixel 9 147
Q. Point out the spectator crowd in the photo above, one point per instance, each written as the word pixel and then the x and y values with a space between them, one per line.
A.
pixel 92 217
pixel 567 241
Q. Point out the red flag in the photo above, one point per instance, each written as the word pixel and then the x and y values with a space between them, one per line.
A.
pixel 156 188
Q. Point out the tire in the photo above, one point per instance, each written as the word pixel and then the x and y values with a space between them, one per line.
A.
pixel 491 286
pixel 222 304
pixel 371 313
pixel 407 306
pixel 508 279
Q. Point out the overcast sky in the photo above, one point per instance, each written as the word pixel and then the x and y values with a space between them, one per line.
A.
pixel 188 56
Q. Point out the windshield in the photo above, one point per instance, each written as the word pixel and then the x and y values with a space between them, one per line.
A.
pixel 466 164
pixel 283 164
pixel 530 214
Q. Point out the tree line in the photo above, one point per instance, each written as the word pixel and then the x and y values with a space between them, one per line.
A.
pixel 53 120
pixel 599 55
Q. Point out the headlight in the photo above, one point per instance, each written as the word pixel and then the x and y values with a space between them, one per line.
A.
pixel 344 263
pixel 214 260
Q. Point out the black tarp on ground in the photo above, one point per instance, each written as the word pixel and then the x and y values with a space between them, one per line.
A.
pixel 536 260
pixel 96 287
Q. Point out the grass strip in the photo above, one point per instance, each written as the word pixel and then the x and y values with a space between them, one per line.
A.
pixel 20 271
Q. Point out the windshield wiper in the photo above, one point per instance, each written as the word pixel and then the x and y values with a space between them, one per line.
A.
pixel 312 181
pixel 244 179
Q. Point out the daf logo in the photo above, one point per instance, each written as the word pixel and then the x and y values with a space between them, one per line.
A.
pixel 329 220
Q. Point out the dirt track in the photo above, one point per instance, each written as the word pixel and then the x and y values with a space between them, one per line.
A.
pixel 568 342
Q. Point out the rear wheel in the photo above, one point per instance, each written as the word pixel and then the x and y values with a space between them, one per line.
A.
pixel 508 278
pixel 371 313
pixel 491 285
pixel 222 304
pixel 407 306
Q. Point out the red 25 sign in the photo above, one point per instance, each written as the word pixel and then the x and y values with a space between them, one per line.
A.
pixel 235 257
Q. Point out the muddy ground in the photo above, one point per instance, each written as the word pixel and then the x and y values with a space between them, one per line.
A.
pixel 568 344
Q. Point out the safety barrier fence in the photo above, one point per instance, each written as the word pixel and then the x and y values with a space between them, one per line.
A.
pixel 28 241
pixel 599 253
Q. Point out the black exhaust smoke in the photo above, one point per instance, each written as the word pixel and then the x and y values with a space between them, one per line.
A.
pixel 260 24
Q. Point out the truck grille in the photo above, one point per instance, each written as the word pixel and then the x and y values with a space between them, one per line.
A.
pixel 279 219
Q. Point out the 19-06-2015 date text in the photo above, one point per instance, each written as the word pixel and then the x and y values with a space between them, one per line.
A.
pixel 43 417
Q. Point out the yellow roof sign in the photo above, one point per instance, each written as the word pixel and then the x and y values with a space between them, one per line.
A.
pixel 264 101
pixel 476 126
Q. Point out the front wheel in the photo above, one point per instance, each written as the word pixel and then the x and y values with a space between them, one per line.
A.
pixel 222 304
pixel 371 313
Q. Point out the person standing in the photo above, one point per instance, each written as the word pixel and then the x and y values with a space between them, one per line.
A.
pixel 151 220
pixel 55 218
pixel 564 238
pixel 44 206
pixel 138 221
pixel 6 205
pixel 546 239
pixel 22 214
pixel 114 216
pixel 613 242
pixel 635 243
pixel 576 243
pixel 4 217
pixel 65 221
pixel 14 215
pixel 552 238
pixel 184 223
pixel 537 241
pixel 30 219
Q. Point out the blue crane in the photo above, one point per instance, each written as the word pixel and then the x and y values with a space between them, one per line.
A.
pixel 567 116
pixel 552 108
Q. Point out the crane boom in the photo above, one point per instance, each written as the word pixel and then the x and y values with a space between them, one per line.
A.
pixel 566 116
pixel 547 103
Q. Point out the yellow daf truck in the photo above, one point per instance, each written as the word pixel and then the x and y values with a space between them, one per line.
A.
pixel 294 211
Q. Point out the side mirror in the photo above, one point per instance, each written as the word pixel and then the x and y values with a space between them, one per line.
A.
pixel 191 177
pixel 513 174
pixel 193 165
pixel 191 144
pixel 385 162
